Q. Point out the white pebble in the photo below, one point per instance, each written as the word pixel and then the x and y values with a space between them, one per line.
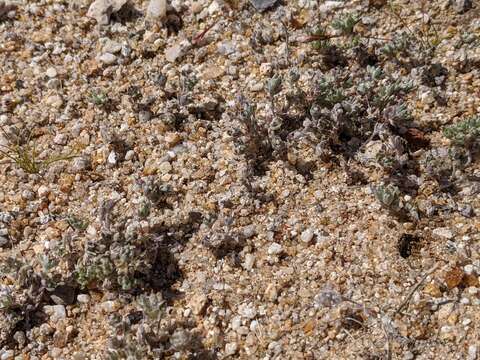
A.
pixel 51 72
pixel 307 236
pixel 43 191
pixel 472 352
pixel 83 298
pixel 231 348
pixel 274 249
pixel 157 9
pixel 107 58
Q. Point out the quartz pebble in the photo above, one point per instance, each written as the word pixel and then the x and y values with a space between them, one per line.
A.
pixel 275 249
pixel 101 10
pixel 307 236
pixel 231 348
pixel 51 72
pixel 107 58
pixel 56 312
pixel 157 9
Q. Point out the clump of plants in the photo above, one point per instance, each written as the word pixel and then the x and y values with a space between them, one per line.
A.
pixel 121 258
pixel 465 134
pixel 391 199
pixel 148 333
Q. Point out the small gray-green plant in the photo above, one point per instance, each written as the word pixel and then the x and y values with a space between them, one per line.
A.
pixel 390 197
pixel 346 23
pixel 99 97
pixel 76 222
pixel 464 133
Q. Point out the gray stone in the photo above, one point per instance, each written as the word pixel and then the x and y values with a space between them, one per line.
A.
pixel 3 241
pixel 81 163
pixel 262 5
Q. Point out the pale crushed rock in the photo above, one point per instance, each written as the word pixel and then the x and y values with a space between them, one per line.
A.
pixel 156 10
pixel 273 296
pixel 101 10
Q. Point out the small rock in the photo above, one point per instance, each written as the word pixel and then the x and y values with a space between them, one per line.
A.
pixel 462 6
pixel 107 58
pixel 212 72
pixel 144 116
pixel 81 164
pixel 28 195
pixel 249 311
pixel 198 304
pixel 111 47
pixel 444 233
pixel 328 6
pixel 130 155
pixel 60 139
pixel 83 298
pixel 213 7
pixel 447 333
pixel 20 338
pixel 63 294
pixel 236 323
pixel 51 72
pixel 432 289
pixel 55 101
pixel 469 269
pixel 249 262
pixel 274 249
pixel 231 349
pixel 180 339
pixel 7 355
pixel 109 306
pixel 56 312
pixel 100 10
pixel 472 352
pixel 112 158
pixel 307 236
pixel 197 7
pixel 172 139
pixel 271 292
pixel 173 53
pixel 454 277
pixel 56 352
pixel 165 167
pixel 3 241
pixel 156 10
pixel 249 231
pixel 262 5
pixel 445 311
pixel 53 84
